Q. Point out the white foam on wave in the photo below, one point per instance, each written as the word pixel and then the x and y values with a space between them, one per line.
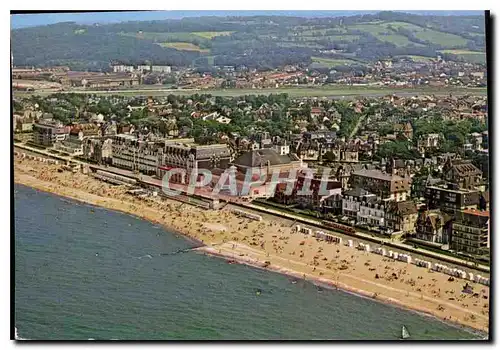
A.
pixel 16 335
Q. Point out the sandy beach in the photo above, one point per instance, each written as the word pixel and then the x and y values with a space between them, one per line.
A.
pixel 275 246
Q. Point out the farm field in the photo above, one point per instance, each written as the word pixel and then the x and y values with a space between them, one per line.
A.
pixel 441 38
pixel 381 32
pixel 419 58
pixel 210 35
pixel 184 46
pixel 330 62
pixel 470 56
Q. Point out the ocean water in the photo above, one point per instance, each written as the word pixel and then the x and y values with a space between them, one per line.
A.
pixel 85 272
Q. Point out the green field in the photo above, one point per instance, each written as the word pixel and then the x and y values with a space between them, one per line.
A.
pixel 469 56
pixel 184 46
pixel 183 37
pixel 440 38
pixel 330 62
pixel 409 26
pixel 381 32
pixel 210 35
pixel 422 59
pixel 325 91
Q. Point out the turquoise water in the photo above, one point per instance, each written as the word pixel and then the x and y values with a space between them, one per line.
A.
pixel 85 272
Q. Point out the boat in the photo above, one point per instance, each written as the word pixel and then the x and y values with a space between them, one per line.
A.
pixel 404 333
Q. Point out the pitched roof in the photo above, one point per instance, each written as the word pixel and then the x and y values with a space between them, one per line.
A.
pixel 466 169
pixel 260 157
pixel 404 208
pixel 357 192
pixel 377 174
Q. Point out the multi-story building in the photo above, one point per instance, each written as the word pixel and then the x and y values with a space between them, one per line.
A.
pixel 191 158
pixel 386 186
pixel 372 213
pixel 352 199
pixel 266 160
pixel 432 226
pixel 462 173
pixel 401 216
pixel 161 69
pixel 130 153
pixel 120 68
pixel 73 144
pixel 48 132
pixel 98 150
pixel 428 142
pixel 450 198
pixel 471 232
pixel 144 68
pixel 317 188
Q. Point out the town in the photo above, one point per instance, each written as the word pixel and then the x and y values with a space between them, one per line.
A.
pixel 413 168
pixel 404 72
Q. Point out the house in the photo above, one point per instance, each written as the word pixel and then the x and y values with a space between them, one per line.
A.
pixel 121 68
pixel 404 129
pixel 428 142
pixel 386 186
pixel 397 167
pixel 471 232
pixel 161 69
pixel 144 68
pixel 223 120
pixel 332 204
pixel 282 148
pixel 433 226
pixel 73 144
pixel 317 112
pixel 462 173
pixel 98 150
pixel 351 201
pixel 47 131
pixel 402 216
pixel 310 191
pixel 371 213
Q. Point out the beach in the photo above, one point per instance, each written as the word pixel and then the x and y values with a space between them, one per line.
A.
pixel 277 247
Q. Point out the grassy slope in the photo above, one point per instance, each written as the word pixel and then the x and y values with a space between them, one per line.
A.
pixel 330 62
pixel 184 46
pixel 210 35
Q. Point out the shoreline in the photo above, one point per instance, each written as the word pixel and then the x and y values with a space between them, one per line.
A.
pixel 356 284
pixel 328 284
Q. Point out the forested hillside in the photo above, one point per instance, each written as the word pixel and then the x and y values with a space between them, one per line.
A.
pixel 260 42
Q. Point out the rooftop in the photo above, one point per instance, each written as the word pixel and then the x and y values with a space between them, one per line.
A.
pixel 377 174
pixel 484 213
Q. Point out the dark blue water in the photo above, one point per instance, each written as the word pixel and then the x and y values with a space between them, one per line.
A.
pixel 84 272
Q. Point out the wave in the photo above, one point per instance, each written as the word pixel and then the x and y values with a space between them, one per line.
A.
pixel 144 256
pixel 16 335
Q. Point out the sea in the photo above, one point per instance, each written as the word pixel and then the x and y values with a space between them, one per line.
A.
pixel 84 272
